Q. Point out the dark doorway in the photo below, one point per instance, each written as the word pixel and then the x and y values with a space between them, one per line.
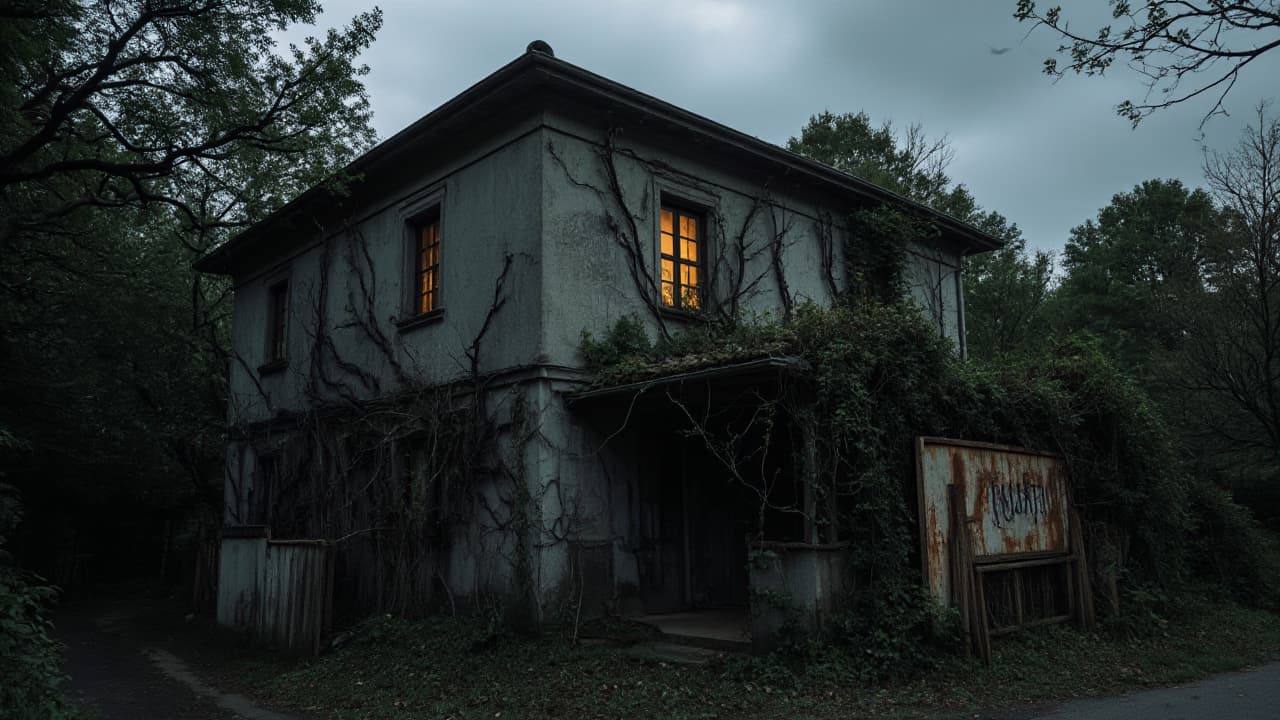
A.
pixel 696 521
pixel 711 468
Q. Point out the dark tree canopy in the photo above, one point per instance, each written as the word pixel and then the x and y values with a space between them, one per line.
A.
pixel 1183 49
pixel 134 135
pixel 913 165
pixel 186 104
pixel 1007 295
pixel 910 163
pixel 1236 352
pixel 1133 273
pixel 1006 291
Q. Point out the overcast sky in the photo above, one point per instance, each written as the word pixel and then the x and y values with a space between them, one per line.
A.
pixel 1047 155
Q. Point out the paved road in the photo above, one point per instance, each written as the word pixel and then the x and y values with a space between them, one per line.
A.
pixel 119 675
pixel 114 679
pixel 1250 695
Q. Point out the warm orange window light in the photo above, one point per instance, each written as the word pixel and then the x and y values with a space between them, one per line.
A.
pixel 680 238
pixel 428 265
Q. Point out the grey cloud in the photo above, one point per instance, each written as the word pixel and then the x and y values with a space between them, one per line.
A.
pixel 1046 154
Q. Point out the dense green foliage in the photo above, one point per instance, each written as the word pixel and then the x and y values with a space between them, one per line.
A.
pixel 1203 327
pixel 1007 300
pixel 1131 275
pixel 912 165
pixel 451 668
pixel 1181 286
pixel 189 106
pixel 881 376
pixel 30 657
pixel 875 264
pixel 134 137
pixel 1234 349
pixel 1006 292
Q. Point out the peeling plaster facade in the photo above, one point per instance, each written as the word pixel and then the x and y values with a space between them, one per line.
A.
pixel 515 168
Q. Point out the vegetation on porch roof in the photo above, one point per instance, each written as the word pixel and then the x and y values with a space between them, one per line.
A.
pixel 624 355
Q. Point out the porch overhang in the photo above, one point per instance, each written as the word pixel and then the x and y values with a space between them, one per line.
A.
pixel 742 372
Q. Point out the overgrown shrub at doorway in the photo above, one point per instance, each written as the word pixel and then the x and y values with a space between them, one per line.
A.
pixel 879 375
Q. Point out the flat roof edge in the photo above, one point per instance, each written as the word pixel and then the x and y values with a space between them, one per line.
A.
pixel 219 260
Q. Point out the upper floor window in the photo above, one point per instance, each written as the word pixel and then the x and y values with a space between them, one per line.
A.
pixel 681 240
pixel 426 233
pixel 278 321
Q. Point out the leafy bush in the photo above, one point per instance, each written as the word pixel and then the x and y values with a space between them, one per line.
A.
pixel 30 657
pixel 625 341
pixel 884 377
pixel 1233 552
pixel 897 633
pixel 881 376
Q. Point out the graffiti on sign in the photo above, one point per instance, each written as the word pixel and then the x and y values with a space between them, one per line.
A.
pixel 1015 504
pixel 1009 500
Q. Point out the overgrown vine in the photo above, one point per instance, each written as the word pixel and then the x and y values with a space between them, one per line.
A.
pixel 393 475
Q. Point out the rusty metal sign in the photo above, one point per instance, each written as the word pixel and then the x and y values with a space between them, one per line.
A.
pixel 1015 505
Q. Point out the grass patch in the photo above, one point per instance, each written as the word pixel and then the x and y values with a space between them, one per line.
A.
pixel 445 668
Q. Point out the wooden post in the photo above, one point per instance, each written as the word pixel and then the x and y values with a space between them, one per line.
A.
pixel 966 583
pixel 982 630
pixel 1017 598
pixel 1085 617
pixel 960 575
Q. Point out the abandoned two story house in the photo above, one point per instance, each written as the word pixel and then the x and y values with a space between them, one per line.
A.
pixel 408 385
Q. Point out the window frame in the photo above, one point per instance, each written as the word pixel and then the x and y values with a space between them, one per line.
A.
pixel 425 209
pixel 276 340
pixel 700 213
pixel 422 267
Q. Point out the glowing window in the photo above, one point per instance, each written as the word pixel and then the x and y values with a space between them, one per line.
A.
pixel 426 296
pixel 680 240
pixel 278 309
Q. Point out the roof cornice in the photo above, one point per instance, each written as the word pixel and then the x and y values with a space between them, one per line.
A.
pixel 590 86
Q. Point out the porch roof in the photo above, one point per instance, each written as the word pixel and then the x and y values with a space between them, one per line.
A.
pixel 736 371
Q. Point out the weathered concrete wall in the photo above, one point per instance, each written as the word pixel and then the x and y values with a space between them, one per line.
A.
pixel 490 208
pixel 509 557
pixel 580 244
pixel 933 283
pixel 794 584
pixel 744 210
pixel 587 538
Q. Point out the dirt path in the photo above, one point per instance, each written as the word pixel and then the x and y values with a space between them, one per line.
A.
pixel 119 671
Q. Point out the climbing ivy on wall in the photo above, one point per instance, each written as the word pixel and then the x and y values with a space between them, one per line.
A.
pixel 876 250
pixel 393 467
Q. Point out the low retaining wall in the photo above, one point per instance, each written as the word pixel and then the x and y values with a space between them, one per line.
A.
pixel 796 584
